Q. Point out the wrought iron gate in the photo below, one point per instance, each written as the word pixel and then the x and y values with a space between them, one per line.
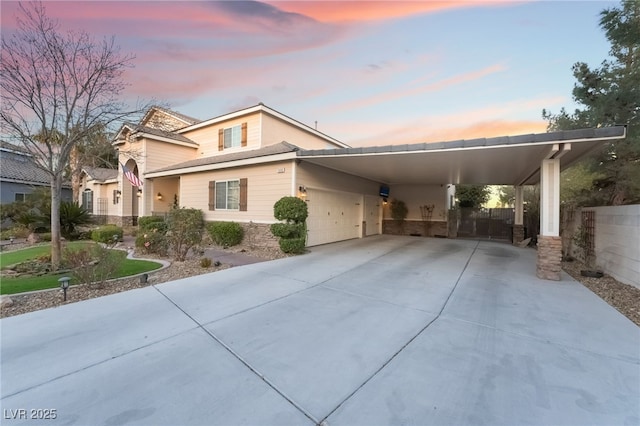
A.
pixel 496 224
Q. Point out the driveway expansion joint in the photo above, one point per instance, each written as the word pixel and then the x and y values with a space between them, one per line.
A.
pixel 402 348
pixel 242 360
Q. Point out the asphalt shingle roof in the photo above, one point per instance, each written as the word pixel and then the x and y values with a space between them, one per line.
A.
pixel 179 115
pixel 162 133
pixel 280 148
pixel 20 168
pixel 101 174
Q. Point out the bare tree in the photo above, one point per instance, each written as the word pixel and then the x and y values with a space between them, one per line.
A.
pixel 57 89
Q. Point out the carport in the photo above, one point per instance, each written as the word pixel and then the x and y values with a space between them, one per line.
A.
pixel 509 160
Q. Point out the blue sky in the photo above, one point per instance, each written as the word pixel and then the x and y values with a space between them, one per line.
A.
pixel 370 73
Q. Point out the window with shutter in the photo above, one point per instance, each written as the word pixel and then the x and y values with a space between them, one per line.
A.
pixel 229 194
pixel 232 137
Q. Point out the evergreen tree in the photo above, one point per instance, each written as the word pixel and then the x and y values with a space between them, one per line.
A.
pixel 610 95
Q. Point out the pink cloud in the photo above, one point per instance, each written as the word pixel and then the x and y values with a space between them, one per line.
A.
pixel 355 11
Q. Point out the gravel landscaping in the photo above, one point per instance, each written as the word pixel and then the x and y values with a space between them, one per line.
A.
pixel 20 304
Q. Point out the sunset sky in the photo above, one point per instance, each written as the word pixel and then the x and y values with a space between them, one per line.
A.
pixel 369 73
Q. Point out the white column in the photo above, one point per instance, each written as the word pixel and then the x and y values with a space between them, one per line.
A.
pixel 519 207
pixel 550 198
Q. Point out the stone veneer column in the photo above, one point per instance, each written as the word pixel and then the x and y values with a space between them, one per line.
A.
pixel 518 234
pixel 549 242
pixel 549 258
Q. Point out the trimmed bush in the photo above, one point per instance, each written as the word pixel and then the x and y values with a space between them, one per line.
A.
pixel 288 230
pixel 293 232
pixel 105 234
pixel 46 236
pixel 290 209
pixel 292 245
pixel 225 234
pixel 147 223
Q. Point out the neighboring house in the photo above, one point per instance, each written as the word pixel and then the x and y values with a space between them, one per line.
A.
pixel 19 176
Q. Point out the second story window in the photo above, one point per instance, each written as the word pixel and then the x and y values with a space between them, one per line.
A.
pixel 232 137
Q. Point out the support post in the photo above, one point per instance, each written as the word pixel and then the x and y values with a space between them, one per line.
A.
pixel 518 225
pixel 549 241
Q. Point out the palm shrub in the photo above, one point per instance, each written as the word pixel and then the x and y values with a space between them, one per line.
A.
pixel 72 215
pixel 293 230
pixel 225 234
pixel 185 228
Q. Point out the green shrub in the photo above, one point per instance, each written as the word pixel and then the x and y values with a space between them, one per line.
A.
pixel 45 236
pixel 17 231
pixel 293 211
pixel 205 262
pixel 148 223
pixel 292 245
pixel 399 210
pixel 185 228
pixel 225 234
pixel 290 209
pixel 288 230
pixel 152 242
pixel 106 234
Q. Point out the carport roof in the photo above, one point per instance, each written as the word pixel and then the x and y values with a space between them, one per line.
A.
pixel 507 160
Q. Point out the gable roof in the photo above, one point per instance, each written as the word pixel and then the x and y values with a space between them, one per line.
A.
pixel 100 174
pixel 202 163
pixel 175 114
pixel 263 108
pixel 153 133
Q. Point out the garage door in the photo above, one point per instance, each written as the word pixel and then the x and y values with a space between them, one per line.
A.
pixel 333 216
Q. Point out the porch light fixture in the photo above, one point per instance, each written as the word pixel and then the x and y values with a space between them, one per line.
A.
pixel 302 191
pixel 139 192
pixel 64 285
pixel 159 196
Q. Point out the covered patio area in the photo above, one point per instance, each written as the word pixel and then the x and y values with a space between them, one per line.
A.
pixel 518 161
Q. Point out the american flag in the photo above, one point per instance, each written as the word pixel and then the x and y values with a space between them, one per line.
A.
pixel 131 177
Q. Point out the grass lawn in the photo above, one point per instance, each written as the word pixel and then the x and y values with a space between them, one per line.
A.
pixel 126 267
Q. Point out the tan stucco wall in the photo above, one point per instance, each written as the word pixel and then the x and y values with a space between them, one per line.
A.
pixel 316 177
pixel 275 131
pixel 207 137
pixel 415 196
pixel 161 154
pixel 168 187
pixel 266 184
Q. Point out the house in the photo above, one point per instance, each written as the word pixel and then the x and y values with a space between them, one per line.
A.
pixel 234 167
pixel 19 176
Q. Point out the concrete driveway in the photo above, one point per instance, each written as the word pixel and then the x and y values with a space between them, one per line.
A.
pixel 381 331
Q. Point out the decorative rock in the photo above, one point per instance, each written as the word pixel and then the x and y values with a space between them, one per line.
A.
pixel 5 302
pixel 33 238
